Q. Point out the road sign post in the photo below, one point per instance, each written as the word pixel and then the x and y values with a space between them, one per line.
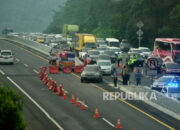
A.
pixel 139 32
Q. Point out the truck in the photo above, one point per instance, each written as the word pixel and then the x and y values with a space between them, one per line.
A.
pixel 84 41
pixel 69 30
pixel 62 58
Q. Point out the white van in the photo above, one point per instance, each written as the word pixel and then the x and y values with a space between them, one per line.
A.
pixel 112 42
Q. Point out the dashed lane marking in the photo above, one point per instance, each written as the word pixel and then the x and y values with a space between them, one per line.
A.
pixel 108 122
pixel 17 60
pixel 35 71
pixel 42 109
pixel 2 72
pixel 25 65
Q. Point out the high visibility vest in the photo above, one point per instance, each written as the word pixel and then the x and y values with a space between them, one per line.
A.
pixel 88 60
pixel 119 56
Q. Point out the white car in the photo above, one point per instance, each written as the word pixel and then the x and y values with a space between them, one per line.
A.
pixel 146 51
pixel 6 56
pixel 106 66
pixel 117 50
pixel 135 50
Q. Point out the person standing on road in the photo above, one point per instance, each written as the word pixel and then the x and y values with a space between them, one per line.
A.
pixel 118 58
pixel 125 76
pixel 115 77
pixel 138 78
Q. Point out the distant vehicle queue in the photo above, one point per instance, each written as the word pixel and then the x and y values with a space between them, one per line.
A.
pixel 108 54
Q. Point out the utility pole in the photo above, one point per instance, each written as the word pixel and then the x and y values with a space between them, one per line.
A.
pixel 139 32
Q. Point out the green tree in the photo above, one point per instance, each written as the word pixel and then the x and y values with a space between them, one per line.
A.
pixel 11 105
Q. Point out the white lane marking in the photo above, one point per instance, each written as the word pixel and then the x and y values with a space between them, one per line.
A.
pixel 84 104
pixel 48 116
pixel 17 59
pixel 26 65
pixel 35 71
pixel 2 72
pixel 108 122
pixel 65 91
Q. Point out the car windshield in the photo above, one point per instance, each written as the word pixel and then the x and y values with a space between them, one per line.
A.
pixel 173 66
pixel 145 50
pixel 101 48
pixel 90 45
pixel 116 49
pixel 165 79
pixel 114 44
pixel 84 49
pixel 91 68
pixel 111 53
pixel 104 57
pixel 6 53
pixel 137 51
pixel 93 52
pixel 104 63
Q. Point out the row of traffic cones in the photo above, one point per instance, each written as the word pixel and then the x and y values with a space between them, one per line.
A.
pixel 77 102
pixel 52 85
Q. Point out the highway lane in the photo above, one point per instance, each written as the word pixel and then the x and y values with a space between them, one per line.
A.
pixel 93 96
pixel 61 110
pixel 34 118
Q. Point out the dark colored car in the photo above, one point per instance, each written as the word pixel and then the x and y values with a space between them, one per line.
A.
pixel 91 72
pixel 170 68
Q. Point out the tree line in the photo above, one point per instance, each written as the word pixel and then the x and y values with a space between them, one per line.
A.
pixel 118 18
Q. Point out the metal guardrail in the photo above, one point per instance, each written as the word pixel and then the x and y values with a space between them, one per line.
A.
pixel 163 103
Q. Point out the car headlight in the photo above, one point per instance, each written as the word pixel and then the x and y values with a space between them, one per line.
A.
pixel 82 74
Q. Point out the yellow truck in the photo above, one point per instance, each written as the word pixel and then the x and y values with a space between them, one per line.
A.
pixel 40 39
pixel 84 40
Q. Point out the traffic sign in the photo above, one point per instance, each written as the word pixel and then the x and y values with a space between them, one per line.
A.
pixel 139 32
pixel 140 38
pixel 140 24
pixel 152 63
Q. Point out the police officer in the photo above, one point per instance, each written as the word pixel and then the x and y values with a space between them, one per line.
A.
pixel 125 76
pixel 70 45
pixel 118 58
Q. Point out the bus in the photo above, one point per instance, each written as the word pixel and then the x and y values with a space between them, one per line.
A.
pixel 168 49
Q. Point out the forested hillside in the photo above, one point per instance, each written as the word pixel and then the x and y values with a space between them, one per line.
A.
pixel 118 18
pixel 27 15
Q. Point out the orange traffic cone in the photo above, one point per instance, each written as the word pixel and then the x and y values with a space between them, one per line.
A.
pixel 134 71
pixel 73 99
pixel 77 102
pixel 96 114
pixel 118 124
pixel 133 129
pixel 83 107
pixel 59 90
pixel 142 72
pixel 64 95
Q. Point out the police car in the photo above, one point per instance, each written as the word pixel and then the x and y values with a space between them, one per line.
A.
pixel 168 85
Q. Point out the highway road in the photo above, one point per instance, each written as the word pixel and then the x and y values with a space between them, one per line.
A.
pixel 45 110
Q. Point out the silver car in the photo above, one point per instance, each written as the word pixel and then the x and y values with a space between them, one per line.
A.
pixel 91 72
pixel 6 56
pixel 106 66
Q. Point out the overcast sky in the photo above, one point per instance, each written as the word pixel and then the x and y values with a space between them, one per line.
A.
pixel 27 15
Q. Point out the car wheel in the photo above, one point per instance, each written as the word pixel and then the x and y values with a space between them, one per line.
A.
pixel 12 63
pixel 82 80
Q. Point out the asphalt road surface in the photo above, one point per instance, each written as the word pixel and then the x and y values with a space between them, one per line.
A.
pixel 45 110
